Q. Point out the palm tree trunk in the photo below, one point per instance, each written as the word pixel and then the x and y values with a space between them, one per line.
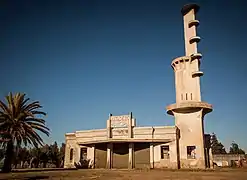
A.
pixel 8 157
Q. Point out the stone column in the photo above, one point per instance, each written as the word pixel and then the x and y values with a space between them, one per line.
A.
pixel 152 155
pixel 131 155
pixel 109 126
pixel 130 126
pixel 211 158
pixel 67 154
pixel 173 154
pixel 93 156
pixel 109 155
pixel 76 153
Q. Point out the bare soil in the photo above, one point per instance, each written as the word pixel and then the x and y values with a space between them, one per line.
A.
pixel 103 174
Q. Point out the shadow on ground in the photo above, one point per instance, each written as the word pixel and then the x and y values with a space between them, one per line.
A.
pixel 38 177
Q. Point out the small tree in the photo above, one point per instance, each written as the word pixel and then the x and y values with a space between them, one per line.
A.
pixel 62 154
pixel 45 155
pixel 1 154
pixel 217 147
pixel 234 149
pixel 22 155
pixel 36 154
pixel 55 154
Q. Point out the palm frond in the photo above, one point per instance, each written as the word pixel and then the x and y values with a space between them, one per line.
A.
pixel 34 120
pixel 38 113
pixel 19 122
pixel 4 108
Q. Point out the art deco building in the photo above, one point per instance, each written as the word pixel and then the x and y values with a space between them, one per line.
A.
pixel 123 145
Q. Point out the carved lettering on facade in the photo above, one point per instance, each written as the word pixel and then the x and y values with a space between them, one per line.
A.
pixel 122 132
pixel 119 121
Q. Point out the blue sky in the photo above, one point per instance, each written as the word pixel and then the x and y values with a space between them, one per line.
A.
pixel 85 59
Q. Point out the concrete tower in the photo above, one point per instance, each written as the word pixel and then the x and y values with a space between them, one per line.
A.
pixel 189 110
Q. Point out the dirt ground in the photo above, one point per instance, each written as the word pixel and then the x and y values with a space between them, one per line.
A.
pixel 229 174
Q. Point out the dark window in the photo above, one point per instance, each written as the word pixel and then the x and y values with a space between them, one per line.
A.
pixel 83 154
pixel 191 96
pixel 191 152
pixel 186 96
pixel 71 154
pixel 164 152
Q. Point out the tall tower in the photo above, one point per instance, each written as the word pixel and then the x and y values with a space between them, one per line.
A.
pixel 189 110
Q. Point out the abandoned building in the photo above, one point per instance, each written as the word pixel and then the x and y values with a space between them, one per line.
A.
pixel 123 145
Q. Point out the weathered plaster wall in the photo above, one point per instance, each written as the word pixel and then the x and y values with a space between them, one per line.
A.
pixel 71 143
pixel 172 162
pixel 191 134
pixel 120 155
pixel 226 159
pixel 162 132
pixel 91 135
pixel 100 156
pixel 142 155
pixel 120 133
pixel 90 154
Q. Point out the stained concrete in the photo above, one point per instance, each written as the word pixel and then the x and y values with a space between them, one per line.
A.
pixel 142 155
pixel 100 155
pixel 120 155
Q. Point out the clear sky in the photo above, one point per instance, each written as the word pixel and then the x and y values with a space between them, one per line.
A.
pixel 84 59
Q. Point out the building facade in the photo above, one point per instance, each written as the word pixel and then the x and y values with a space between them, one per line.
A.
pixel 123 145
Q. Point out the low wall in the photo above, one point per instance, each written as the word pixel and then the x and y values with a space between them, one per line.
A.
pixel 226 159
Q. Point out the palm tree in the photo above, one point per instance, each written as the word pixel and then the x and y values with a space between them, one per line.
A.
pixel 19 123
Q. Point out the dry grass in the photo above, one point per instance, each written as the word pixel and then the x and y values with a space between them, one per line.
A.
pixel 101 174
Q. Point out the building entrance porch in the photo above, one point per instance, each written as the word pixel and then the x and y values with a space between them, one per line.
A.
pixel 122 155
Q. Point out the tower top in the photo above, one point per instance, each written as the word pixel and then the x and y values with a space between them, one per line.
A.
pixel 189 7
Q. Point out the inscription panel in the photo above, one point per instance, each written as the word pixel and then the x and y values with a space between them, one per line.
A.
pixel 120 121
pixel 120 132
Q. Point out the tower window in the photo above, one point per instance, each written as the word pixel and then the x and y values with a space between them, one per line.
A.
pixel 191 152
pixel 186 96
pixel 191 96
pixel 164 152
pixel 71 154
pixel 181 96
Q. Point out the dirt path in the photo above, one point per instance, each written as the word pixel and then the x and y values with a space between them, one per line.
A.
pixel 129 175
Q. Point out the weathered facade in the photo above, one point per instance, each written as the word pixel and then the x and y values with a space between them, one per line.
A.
pixel 123 145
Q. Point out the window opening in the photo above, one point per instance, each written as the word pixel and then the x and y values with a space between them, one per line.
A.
pixel 164 152
pixel 191 152
pixel 71 154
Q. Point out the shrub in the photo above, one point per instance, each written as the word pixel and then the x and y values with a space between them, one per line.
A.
pixel 82 164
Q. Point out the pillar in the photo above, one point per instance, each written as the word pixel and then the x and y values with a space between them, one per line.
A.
pixel 130 126
pixel 109 155
pixel 109 126
pixel 92 156
pixel 173 154
pixel 152 155
pixel 131 155
pixel 67 154
pixel 77 150
pixel 211 158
